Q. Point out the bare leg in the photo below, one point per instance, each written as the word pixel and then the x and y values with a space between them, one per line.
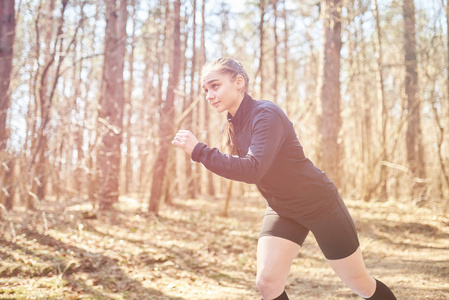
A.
pixel 274 258
pixel 353 272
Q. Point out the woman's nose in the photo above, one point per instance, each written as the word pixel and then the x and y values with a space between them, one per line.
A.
pixel 209 95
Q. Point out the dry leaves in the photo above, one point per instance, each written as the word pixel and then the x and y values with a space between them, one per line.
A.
pixel 191 252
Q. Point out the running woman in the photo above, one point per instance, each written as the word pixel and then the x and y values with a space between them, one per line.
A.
pixel 263 149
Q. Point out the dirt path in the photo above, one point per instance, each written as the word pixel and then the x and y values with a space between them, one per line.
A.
pixel 191 252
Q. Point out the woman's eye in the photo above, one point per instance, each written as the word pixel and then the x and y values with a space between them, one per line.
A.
pixel 215 86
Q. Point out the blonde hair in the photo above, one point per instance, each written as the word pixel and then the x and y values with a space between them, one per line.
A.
pixel 226 65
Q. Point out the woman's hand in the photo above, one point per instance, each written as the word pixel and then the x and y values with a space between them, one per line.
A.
pixel 185 140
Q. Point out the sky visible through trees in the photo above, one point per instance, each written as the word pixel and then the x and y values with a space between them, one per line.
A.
pixel 236 8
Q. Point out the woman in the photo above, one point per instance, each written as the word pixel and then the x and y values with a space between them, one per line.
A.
pixel 264 150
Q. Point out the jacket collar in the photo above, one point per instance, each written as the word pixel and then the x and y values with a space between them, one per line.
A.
pixel 240 115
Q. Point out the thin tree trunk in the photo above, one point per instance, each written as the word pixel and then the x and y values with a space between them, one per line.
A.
pixel 129 107
pixel 79 180
pixel 366 118
pixel 415 155
pixel 110 115
pixel 46 94
pixel 261 45
pixel 39 140
pixel 381 95
pixel 146 117
pixel 167 116
pixel 228 198
pixel 275 54
pixel 286 60
pixel 200 109
pixel 7 182
pixel 440 145
pixel 330 90
pixel 209 177
pixel 7 34
pixel 191 191
pixel 447 44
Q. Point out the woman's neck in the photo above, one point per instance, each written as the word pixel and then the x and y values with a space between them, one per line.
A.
pixel 233 110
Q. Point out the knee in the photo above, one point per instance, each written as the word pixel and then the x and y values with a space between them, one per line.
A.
pixel 269 286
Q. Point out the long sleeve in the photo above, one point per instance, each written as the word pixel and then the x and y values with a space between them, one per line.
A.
pixel 267 136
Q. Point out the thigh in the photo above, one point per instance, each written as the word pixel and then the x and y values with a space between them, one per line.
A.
pixel 275 225
pixel 334 230
pixel 279 242
pixel 275 256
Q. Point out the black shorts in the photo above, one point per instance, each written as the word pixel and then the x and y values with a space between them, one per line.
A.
pixel 332 227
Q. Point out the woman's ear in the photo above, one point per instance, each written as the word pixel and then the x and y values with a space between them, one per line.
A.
pixel 240 82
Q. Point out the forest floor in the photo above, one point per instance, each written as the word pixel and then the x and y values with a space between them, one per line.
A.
pixel 191 251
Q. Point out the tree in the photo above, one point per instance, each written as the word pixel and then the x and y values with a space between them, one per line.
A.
pixel 415 152
pixel 286 58
pixel 129 106
pixel 167 116
pixel 45 83
pixel 191 191
pixel 330 89
pixel 262 6
pixel 200 111
pixel 447 45
pixel 7 33
pixel 110 114
pixel 275 52
pixel 209 178
pixel 381 96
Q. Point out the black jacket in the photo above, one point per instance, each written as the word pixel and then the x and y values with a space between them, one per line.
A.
pixel 272 158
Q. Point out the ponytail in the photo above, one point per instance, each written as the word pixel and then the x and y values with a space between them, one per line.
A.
pixel 228 139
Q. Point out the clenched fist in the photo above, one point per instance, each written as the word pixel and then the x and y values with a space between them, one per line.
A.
pixel 185 140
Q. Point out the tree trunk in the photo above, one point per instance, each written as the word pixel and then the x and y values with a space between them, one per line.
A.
pixel 209 177
pixel 129 107
pixel 415 155
pixel 200 109
pixel 275 54
pixel 286 60
pixel 366 116
pixel 228 198
pixel 191 192
pixel 447 44
pixel 53 52
pixel 7 183
pixel 381 94
pixel 79 181
pixel 167 116
pixel 330 90
pixel 7 33
pixel 148 105
pixel 262 50
pixel 110 114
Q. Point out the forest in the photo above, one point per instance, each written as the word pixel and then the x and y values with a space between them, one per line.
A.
pixel 96 203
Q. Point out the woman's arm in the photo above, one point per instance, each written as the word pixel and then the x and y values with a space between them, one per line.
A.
pixel 268 135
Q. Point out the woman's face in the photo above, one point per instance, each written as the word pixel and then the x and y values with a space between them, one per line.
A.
pixel 223 92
